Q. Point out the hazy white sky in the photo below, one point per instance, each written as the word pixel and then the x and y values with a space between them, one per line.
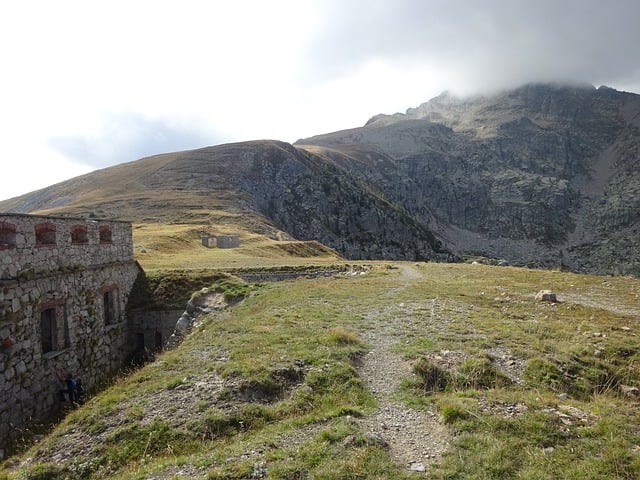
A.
pixel 88 84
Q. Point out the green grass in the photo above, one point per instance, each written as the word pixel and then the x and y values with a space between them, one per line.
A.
pixel 290 395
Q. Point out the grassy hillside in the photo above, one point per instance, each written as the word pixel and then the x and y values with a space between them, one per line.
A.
pixel 282 385
pixel 171 246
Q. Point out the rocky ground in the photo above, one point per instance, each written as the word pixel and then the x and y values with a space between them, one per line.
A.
pixel 414 437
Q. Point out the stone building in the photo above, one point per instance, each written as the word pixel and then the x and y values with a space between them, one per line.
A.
pixel 221 241
pixel 64 286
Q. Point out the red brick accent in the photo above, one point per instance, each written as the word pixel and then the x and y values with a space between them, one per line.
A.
pixel 7 227
pixel 105 234
pixel 45 234
pixel 79 234
pixel 7 235
pixel 50 304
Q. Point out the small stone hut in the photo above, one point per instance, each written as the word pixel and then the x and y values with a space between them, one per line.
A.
pixel 221 241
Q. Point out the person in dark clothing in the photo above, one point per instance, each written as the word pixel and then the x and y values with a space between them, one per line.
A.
pixel 71 385
pixel 79 391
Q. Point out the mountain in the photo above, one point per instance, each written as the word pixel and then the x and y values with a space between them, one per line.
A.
pixel 267 187
pixel 543 175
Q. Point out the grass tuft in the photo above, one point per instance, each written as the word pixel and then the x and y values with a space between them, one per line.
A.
pixel 433 378
pixel 481 374
pixel 541 373
pixel 343 336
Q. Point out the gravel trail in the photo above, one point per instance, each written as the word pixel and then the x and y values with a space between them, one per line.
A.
pixel 415 438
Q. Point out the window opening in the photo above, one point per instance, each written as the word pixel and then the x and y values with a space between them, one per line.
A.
pixel 54 329
pixel 45 234
pixel 7 236
pixel 48 330
pixel 110 307
pixel 140 342
pixel 79 234
pixel 105 234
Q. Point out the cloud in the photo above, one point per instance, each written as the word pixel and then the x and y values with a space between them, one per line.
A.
pixel 129 136
pixel 480 45
pixel 283 69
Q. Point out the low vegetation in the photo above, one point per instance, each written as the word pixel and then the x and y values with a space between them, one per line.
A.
pixel 271 388
pixel 179 246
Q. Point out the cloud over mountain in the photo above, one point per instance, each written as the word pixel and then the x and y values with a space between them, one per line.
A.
pixel 479 45
pixel 126 136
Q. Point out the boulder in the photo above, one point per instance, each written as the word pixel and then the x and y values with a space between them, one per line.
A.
pixel 546 296
pixel 630 392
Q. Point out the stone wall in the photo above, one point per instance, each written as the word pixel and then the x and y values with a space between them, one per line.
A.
pixel 32 244
pixel 62 307
pixel 221 241
pixel 150 330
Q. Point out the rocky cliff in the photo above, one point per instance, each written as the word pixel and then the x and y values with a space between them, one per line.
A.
pixel 544 175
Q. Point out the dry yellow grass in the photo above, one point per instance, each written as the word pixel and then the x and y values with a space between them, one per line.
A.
pixel 179 246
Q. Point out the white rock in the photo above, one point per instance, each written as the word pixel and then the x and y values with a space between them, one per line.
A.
pixel 546 296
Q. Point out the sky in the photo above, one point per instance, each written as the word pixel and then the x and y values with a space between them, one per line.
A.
pixel 89 84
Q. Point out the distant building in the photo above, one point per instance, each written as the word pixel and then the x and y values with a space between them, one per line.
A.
pixel 221 241
pixel 209 241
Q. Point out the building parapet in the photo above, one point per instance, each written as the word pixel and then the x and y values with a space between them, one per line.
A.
pixel 34 244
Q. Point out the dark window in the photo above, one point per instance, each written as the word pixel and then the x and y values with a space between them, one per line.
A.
pixel 45 234
pixel 48 330
pixel 110 307
pixel 79 234
pixel 159 341
pixel 7 236
pixel 105 234
pixel 140 342
pixel 54 328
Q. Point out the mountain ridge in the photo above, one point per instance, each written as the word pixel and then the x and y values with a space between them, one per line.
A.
pixel 542 175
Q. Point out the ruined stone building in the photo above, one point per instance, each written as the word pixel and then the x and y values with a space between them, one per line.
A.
pixel 221 241
pixel 64 286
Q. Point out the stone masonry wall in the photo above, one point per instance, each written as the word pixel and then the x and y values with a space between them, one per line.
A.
pixel 150 330
pixel 32 244
pixel 62 307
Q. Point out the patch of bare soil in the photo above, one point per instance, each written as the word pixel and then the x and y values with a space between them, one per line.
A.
pixel 600 301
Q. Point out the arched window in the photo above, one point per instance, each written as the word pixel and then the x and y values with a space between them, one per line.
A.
pixel 45 234
pixel 105 234
pixel 79 234
pixel 7 235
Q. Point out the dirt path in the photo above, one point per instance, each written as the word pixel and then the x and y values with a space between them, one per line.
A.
pixel 594 301
pixel 415 438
